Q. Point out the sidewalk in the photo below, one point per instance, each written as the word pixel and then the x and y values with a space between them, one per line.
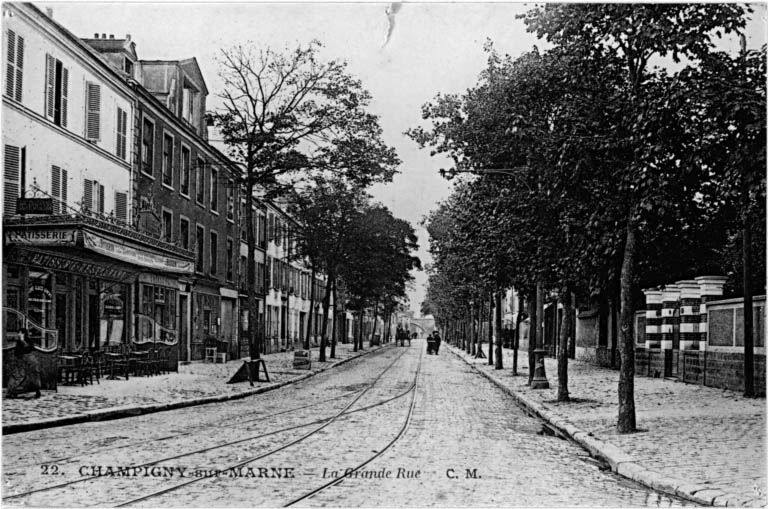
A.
pixel 195 383
pixel 707 445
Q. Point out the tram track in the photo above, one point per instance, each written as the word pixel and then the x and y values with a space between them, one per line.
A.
pixel 194 429
pixel 323 422
pixel 384 449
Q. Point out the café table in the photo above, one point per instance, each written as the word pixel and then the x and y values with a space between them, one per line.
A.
pixel 118 360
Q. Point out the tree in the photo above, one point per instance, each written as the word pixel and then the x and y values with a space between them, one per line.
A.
pixel 291 114
pixel 325 211
pixel 631 35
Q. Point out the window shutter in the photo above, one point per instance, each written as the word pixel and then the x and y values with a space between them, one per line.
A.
pixel 101 197
pixel 56 188
pixel 11 167
pixel 19 66
pixel 122 121
pixel 121 206
pixel 64 95
pixel 50 84
pixel 10 72
pixel 87 194
pixel 93 111
pixel 63 188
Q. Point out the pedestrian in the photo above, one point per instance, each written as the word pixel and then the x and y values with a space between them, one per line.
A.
pixel 437 340
pixel 24 372
pixel 406 334
pixel 399 334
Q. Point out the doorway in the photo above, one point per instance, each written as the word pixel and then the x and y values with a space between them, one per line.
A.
pixel 93 321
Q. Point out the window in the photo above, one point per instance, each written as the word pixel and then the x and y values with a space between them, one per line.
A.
pixel 262 230
pixel 92 111
pixel 59 189
pixel 128 67
pixel 122 134
pixel 184 232
pixel 184 179
pixel 167 232
pixel 168 160
pixel 200 184
pixel 14 66
pixel 147 146
pixel 230 253
pixel 121 206
pixel 243 272
pixel 214 259
pixel 200 248
pixel 12 166
pixel 93 196
pixel 231 200
pixel 214 189
pixel 56 91
pixel 188 103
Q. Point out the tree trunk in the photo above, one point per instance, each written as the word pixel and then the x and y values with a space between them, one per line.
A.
pixel 562 352
pixel 626 421
pixel 311 308
pixel 602 318
pixel 499 339
pixel 614 330
pixel 490 328
pixel 334 325
pixel 516 339
pixel 254 348
pixel 473 337
pixel 532 336
pixel 749 353
pixel 373 328
pixel 572 343
pixel 326 309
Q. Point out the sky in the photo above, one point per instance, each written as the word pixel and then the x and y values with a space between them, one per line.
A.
pixel 432 47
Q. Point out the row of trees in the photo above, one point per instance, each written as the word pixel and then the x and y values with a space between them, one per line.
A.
pixel 596 174
pixel 300 129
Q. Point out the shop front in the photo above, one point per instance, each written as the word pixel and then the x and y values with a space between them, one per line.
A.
pixel 76 286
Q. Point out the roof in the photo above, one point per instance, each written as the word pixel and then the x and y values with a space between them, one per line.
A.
pixel 189 65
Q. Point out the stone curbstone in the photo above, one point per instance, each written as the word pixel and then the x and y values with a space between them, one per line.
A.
pixel 133 411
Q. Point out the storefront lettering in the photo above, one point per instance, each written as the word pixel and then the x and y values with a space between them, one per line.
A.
pixel 41 237
pixel 71 265
pixel 136 256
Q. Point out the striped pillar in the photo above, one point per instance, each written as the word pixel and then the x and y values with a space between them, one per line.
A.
pixel 711 288
pixel 652 318
pixel 670 296
pixel 690 299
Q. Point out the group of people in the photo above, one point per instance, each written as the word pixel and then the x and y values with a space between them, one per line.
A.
pixel 402 334
pixel 433 340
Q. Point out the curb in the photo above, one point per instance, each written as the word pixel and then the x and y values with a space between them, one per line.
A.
pixel 133 411
pixel 619 461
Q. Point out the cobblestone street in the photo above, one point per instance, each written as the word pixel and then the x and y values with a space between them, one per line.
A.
pixel 465 443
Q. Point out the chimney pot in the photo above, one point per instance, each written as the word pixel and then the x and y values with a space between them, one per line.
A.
pixel 111 36
pixel 127 37
pixel 103 36
pixel 49 12
pixel 95 36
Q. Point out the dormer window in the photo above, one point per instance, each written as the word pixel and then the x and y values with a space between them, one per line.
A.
pixel 128 66
pixel 188 99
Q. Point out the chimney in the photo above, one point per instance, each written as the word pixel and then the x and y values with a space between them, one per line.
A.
pixel 49 12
